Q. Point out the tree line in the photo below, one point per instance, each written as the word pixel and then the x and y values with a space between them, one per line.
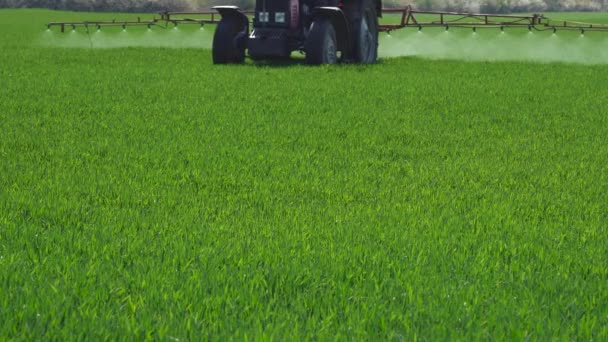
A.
pixel 486 6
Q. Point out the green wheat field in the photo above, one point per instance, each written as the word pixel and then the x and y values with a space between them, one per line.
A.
pixel 148 194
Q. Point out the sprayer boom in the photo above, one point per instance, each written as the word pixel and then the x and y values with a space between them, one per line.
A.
pixel 325 31
pixel 99 24
pixel 164 20
pixel 539 22
pixel 408 18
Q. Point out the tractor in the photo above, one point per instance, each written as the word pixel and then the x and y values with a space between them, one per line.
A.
pixel 326 31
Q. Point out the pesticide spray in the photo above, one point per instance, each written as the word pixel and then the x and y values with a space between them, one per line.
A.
pixel 515 44
pixel 116 37
pixel 432 43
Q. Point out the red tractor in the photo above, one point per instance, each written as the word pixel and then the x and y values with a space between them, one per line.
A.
pixel 326 31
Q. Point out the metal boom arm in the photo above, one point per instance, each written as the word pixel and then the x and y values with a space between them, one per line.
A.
pixel 409 18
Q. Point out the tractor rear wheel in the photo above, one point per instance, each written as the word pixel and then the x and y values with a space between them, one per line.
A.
pixel 366 34
pixel 321 46
pixel 228 41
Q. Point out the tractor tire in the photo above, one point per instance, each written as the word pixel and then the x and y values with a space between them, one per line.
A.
pixel 321 46
pixel 228 42
pixel 366 34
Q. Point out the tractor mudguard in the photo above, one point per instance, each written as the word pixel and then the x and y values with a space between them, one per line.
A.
pixel 234 12
pixel 338 19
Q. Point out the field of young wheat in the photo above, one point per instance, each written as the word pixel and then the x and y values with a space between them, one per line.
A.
pixel 146 193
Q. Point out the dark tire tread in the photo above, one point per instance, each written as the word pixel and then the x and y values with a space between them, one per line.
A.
pixel 226 50
pixel 321 45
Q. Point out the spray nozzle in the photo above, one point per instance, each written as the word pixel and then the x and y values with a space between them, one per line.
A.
pixel 474 29
pixel 447 27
